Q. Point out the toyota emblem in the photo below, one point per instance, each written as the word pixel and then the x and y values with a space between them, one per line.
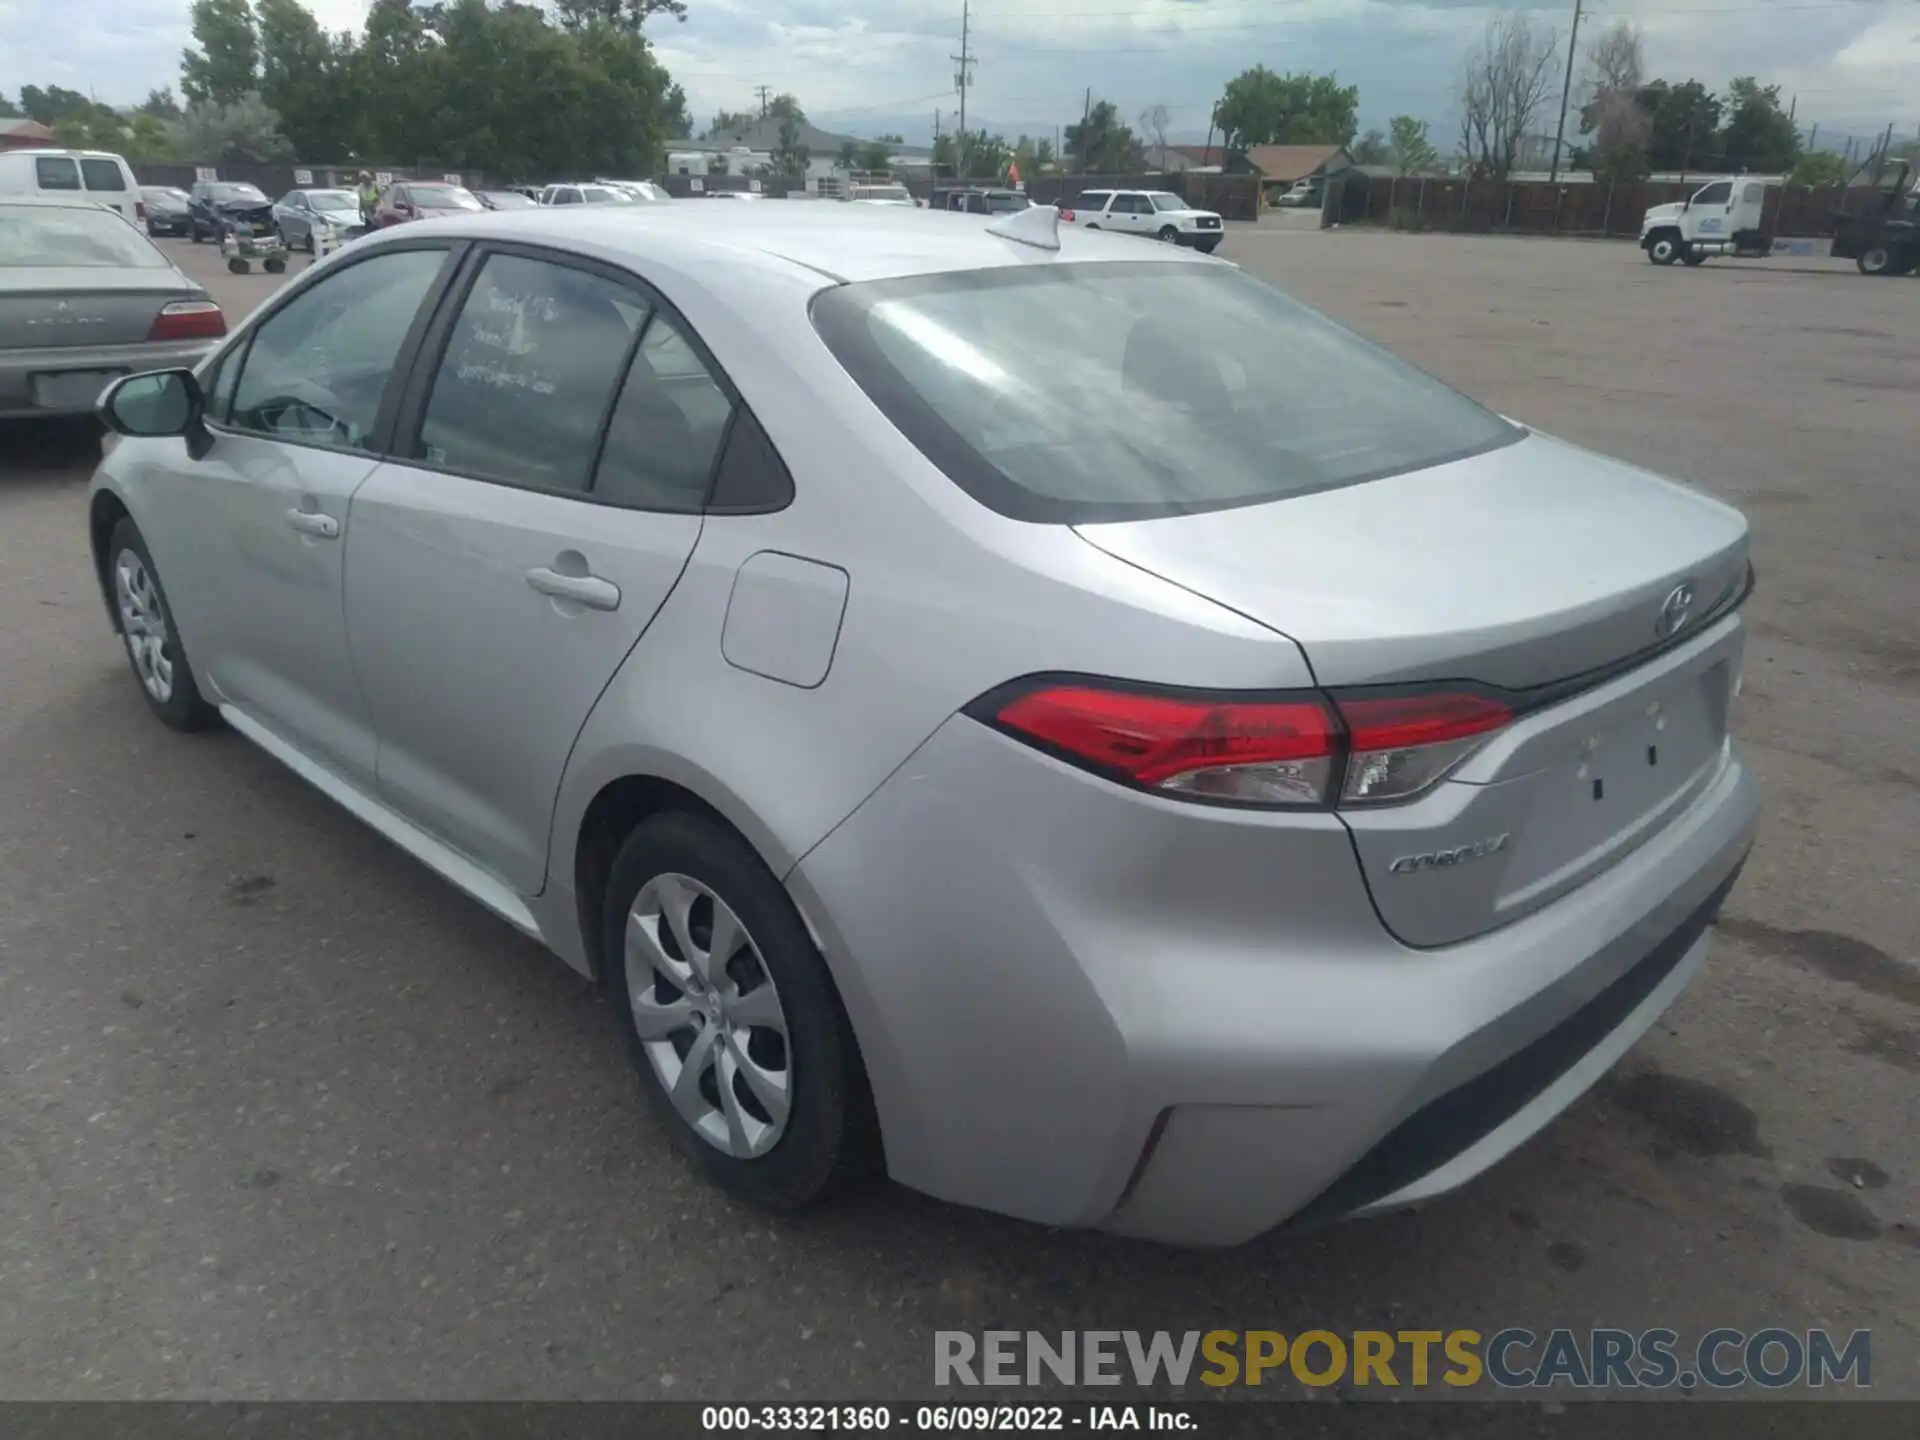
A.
pixel 1674 610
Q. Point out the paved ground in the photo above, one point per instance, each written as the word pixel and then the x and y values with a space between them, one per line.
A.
pixel 282 1115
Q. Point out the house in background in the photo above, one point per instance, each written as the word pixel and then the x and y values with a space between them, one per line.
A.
pixel 24 135
pixel 746 148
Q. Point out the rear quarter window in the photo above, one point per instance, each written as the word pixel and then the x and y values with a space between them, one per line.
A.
pixel 1079 393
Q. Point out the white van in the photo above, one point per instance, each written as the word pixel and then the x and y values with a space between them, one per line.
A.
pixel 97 174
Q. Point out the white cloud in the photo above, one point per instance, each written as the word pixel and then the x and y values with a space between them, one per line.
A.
pixel 1851 63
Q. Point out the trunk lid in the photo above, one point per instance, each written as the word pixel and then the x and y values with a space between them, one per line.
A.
pixel 47 308
pixel 1539 569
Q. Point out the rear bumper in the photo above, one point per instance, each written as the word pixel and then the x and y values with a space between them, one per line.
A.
pixel 1084 1006
pixel 18 367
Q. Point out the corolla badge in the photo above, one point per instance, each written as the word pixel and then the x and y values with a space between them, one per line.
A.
pixel 1674 610
pixel 1450 858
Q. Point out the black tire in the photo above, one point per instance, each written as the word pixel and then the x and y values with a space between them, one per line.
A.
pixel 1093 227
pixel 1207 247
pixel 1693 255
pixel 184 709
pixel 1664 249
pixel 831 1136
pixel 1875 260
pixel 1168 235
pixel 275 267
pixel 237 266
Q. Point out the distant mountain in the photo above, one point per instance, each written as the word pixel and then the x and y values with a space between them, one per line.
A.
pixel 918 129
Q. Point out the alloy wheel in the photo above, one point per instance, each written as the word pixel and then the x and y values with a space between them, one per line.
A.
pixel 708 1016
pixel 144 624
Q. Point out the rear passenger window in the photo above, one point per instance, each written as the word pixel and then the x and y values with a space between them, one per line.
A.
pixel 103 175
pixel 56 172
pixel 666 429
pixel 530 368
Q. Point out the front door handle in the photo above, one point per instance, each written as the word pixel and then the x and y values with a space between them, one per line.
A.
pixel 311 522
pixel 588 590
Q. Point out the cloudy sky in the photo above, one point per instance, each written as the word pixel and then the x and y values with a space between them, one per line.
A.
pixel 1854 65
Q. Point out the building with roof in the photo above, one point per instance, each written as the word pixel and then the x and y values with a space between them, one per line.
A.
pixel 23 135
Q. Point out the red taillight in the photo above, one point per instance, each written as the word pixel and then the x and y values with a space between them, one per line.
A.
pixel 1271 752
pixel 188 320
pixel 1066 214
pixel 1300 749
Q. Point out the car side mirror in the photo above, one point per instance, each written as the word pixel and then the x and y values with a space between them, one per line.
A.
pixel 156 404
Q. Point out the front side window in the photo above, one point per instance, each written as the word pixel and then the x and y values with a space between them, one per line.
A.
pixel 1082 393
pixel 1717 193
pixel 317 369
pixel 56 172
pixel 528 373
pixel 103 175
pixel 667 427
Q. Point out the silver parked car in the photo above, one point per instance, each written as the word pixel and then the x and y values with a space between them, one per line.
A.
pixel 86 298
pixel 1049 716
pixel 299 214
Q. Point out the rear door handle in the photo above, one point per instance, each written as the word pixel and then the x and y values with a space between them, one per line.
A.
pixel 588 590
pixel 311 522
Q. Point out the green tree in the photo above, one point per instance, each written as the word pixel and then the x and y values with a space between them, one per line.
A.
pixel 1262 108
pixel 1370 149
pixel 1684 123
pixel 150 139
pixel 790 154
pixel 1102 144
pixel 54 104
pixel 160 104
pixel 983 155
pixel 9 110
pixel 628 14
pixel 1819 167
pixel 307 80
pixel 849 156
pixel 944 153
pixel 1413 152
pixel 1758 135
pixel 785 107
pixel 877 154
pixel 728 122
pixel 245 132
pixel 227 64
pixel 674 113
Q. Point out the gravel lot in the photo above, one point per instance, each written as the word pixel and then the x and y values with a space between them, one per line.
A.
pixel 282 1115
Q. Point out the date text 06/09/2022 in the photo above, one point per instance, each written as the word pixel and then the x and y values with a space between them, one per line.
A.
pixel 944 1417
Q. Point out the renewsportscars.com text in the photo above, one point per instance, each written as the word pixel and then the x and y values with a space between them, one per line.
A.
pixel 1511 1359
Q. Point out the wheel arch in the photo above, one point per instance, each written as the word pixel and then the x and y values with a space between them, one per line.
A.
pixel 105 511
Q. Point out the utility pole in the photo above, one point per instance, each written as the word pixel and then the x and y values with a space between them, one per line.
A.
pixel 1080 145
pixel 962 78
pixel 764 92
pixel 1566 94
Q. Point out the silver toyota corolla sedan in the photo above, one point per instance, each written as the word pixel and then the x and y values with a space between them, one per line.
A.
pixel 84 299
pixel 1047 716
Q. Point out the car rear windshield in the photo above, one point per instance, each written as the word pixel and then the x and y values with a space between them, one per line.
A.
pixel 444 197
pixel 80 236
pixel 1081 393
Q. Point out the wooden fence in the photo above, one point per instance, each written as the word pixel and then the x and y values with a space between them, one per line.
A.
pixel 1531 207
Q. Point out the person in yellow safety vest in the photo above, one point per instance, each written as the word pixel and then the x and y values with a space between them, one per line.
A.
pixel 369 196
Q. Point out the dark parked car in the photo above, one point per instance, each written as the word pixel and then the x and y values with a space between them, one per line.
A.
pixel 977 200
pixel 421 200
pixel 300 212
pixel 166 209
pixel 215 205
pixel 506 200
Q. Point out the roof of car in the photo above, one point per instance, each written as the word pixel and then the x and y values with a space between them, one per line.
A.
pixel 837 241
pixel 58 202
